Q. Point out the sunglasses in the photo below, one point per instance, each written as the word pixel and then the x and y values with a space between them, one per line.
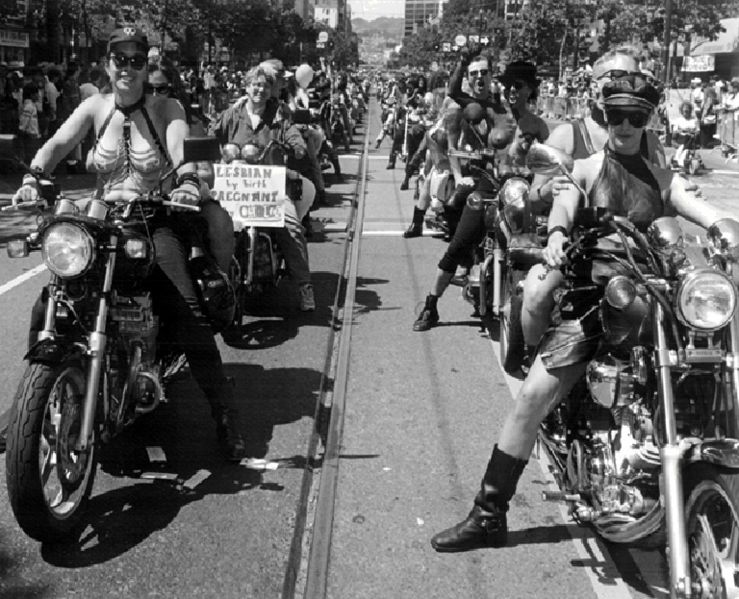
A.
pixel 518 84
pixel 615 74
pixel 480 73
pixel 637 118
pixel 163 89
pixel 134 61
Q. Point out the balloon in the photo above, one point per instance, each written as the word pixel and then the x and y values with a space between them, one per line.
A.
pixel 304 75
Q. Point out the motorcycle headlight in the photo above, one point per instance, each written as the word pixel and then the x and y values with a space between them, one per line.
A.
pixel 514 196
pixel 620 292
pixel 230 152
pixel 706 300
pixel 67 249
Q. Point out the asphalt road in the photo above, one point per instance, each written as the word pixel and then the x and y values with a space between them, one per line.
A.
pixel 422 412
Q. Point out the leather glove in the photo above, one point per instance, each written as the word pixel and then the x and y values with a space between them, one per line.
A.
pixel 187 195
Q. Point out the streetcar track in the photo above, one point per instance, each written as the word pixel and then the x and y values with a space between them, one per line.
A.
pixel 308 561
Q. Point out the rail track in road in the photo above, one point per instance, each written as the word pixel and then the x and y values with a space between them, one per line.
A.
pixel 310 554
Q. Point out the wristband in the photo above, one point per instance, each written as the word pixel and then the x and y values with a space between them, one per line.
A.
pixel 559 228
pixel 37 173
pixel 191 177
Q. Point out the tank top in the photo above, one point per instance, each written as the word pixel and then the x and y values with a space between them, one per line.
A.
pixel 626 186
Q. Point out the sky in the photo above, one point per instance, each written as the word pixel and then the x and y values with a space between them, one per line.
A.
pixel 372 9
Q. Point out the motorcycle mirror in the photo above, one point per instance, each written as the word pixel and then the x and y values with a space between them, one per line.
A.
pixel 546 160
pixel 473 113
pixel 201 149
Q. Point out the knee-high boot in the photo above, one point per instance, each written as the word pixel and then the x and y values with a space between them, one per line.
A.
pixel 416 227
pixel 486 525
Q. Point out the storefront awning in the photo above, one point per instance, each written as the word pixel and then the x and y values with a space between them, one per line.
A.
pixel 727 41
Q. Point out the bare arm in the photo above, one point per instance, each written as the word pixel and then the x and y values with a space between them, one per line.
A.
pixel 541 190
pixel 68 136
pixel 176 132
pixel 692 207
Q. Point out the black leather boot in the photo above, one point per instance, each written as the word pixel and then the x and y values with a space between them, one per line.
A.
pixel 405 183
pixel 416 227
pixel 223 408
pixel 486 525
pixel 229 438
pixel 429 316
pixel 391 161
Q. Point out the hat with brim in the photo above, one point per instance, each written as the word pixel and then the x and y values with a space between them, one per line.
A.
pixel 633 91
pixel 519 70
pixel 627 101
pixel 128 33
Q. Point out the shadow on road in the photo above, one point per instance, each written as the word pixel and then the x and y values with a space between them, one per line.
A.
pixel 10 579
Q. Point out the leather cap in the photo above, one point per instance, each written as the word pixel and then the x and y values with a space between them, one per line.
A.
pixel 128 33
pixel 633 90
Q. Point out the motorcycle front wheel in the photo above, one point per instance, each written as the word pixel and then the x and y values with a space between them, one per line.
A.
pixel 49 481
pixel 712 526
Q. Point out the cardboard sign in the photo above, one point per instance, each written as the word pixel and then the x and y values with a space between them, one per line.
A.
pixel 253 194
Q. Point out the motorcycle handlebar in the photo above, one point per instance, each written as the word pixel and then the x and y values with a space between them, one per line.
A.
pixel 22 205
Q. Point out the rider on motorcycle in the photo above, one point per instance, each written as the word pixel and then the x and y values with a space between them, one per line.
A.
pixel 520 77
pixel 565 350
pixel 476 73
pixel 252 123
pixel 579 139
pixel 139 137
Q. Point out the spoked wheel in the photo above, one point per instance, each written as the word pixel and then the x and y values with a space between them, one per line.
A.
pixel 49 480
pixel 712 514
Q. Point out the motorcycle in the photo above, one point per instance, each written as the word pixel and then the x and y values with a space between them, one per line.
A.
pixel 258 263
pixel 102 358
pixel 690 162
pixel 646 446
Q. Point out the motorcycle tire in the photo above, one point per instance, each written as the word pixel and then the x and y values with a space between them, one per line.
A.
pixel 712 527
pixel 50 501
pixel 512 345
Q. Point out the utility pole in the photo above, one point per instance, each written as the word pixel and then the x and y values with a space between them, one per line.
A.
pixel 666 61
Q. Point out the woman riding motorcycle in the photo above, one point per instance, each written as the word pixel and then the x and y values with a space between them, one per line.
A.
pixel 565 350
pixel 139 137
pixel 520 79
pixel 164 80
pixel 251 124
pixel 578 139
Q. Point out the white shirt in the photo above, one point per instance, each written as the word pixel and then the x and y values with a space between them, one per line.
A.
pixel 683 125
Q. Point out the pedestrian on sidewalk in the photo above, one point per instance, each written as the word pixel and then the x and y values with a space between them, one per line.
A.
pixel 29 133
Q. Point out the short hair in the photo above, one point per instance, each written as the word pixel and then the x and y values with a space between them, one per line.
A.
pixel 481 57
pixel 258 71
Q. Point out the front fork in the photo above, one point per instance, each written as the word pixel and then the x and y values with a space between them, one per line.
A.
pixel 96 354
pixel 672 456
pixel 496 257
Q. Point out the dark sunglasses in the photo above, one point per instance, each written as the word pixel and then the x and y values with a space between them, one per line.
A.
pixel 615 74
pixel 518 84
pixel 135 61
pixel 480 73
pixel 163 89
pixel 637 118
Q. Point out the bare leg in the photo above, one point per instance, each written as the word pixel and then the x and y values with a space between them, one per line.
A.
pixel 541 392
pixel 538 302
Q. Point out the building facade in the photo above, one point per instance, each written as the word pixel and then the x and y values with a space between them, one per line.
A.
pixel 418 13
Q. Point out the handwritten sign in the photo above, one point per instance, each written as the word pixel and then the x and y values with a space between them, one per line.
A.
pixel 253 195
